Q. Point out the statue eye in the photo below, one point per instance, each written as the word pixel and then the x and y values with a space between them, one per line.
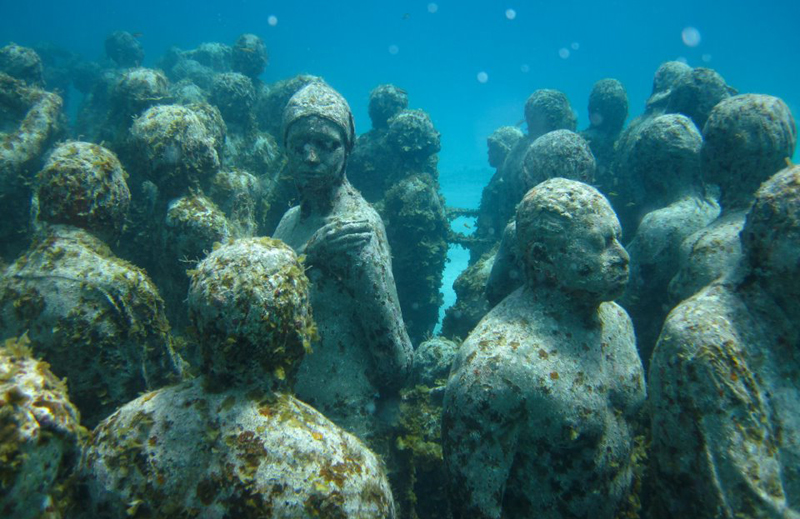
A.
pixel 330 145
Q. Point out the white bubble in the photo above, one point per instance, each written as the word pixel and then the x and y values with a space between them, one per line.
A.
pixel 563 53
pixel 706 58
pixel 525 68
pixel 511 14
pixel 432 7
pixel 690 37
pixel 272 20
pixel 483 77
pixel 394 49
pixel 575 45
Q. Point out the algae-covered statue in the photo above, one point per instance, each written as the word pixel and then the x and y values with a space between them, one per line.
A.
pixel 724 378
pixel 746 139
pixel 98 320
pixel 363 353
pixel 665 157
pixel 541 405
pixel 234 442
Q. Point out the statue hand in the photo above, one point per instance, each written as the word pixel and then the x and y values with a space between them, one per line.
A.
pixel 338 240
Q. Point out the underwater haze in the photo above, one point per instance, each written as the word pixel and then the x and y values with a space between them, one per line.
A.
pixel 470 64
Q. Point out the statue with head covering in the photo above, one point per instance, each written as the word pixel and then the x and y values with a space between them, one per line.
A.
pixel 363 353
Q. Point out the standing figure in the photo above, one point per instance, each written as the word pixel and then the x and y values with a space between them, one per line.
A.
pixel 363 353
pixel 542 400
pixel 234 442
pixel 724 378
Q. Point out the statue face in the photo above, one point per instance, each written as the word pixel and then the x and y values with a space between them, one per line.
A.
pixel 316 151
pixel 591 259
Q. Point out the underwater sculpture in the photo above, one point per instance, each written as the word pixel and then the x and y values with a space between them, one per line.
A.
pixel 173 161
pixel 541 404
pixel 98 320
pixel 470 285
pixel 724 378
pixel 545 111
pixel 234 442
pixel 22 63
pixel 747 139
pixel 32 121
pixel 124 49
pixel 677 89
pixel 559 153
pixel 40 435
pixel 363 354
pixel 665 156
pixel 394 166
pixel 608 109
pixel 367 165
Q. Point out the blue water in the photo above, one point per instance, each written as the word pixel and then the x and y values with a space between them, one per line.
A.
pixel 470 64
pixel 440 54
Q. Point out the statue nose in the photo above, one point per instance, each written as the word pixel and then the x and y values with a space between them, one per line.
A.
pixel 311 153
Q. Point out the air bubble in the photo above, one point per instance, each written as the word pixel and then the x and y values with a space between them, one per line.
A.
pixel 690 37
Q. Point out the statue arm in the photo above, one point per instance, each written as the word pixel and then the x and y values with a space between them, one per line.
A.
pixel 506 275
pixel 357 252
pixel 480 433
pixel 379 311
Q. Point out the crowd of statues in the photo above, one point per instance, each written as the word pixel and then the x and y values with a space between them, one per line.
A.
pixel 217 301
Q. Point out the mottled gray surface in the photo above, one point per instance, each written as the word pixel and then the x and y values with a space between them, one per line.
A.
pixel 557 154
pixel 707 254
pixel 471 302
pixel 540 405
pixel 97 320
pixel 232 443
pixel 500 143
pixel 384 102
pixel 235 96
pixel 411 133
pixel 695 94
pixel 136 90
pixel 665 156
pixel 432 361
pixel 83 184
pixel 608 109
pixel 41 435
pixel 124 49
pixel 175 149
pixel 547 110
pixel 560 153
pixel 236 453
pixel 249 55
pixel 723 382
pixel 28 131
pixel 363 352
pixel 22 63
pixel 746 140
pixel 666 78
